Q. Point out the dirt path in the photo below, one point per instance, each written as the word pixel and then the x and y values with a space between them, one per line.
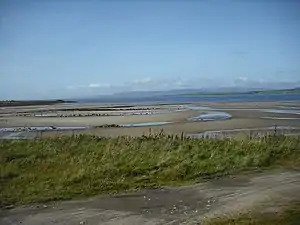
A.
pixel 185 205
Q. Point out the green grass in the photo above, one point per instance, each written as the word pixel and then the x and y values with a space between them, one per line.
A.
pixel 68 167
pixel 290 215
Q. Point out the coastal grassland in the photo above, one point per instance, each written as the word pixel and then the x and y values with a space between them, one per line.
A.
pixel 287 215
pixel 67 167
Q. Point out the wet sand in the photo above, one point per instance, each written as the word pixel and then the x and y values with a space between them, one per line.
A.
pixel 254 105
pixel 244 115
pixel 178 128
pixel 95 121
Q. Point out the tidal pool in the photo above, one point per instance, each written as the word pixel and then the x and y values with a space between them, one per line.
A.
pixel 195 107
pixel 219 133
pixel 49 128
pixel 46 115
pixel 283 111
pixel 211 116
pixel 279 118
pixel 145 124
pixel 17 135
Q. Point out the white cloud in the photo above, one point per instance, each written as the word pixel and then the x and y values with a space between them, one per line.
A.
pixel 143 84
pixel 243 79
pixel 142 81
pixel 72 87
pixel 92 85
pixel 179 83
pixel 265 83
pixel 150 83
pixel 95 85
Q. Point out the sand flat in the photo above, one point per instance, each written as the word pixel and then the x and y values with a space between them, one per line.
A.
pixel 95 121
pixel 178 128
pixel 244 115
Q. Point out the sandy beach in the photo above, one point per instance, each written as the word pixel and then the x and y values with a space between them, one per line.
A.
pixel 139 118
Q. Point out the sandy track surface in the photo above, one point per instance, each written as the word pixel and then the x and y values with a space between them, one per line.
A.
pixel 185 205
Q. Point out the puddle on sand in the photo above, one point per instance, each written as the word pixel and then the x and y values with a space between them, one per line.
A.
pixel 46 115
pixel 28 129
pixel 215 133
pixel 182 108
pixel 283 111
pixel 17 135
pixel 211 116
pixel 279 118
pixel 69 128
pixel 195 107
pixel 290 107
pixel 145 124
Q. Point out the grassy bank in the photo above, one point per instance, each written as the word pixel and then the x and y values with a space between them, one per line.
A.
pixel 67 167
pixel 288 215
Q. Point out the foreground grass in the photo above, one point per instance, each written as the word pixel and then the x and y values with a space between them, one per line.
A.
pixel 289 215
pixel 67 167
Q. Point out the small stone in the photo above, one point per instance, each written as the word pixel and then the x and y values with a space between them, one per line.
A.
pixel 82 222
pixel 9 206
pixel 45 206
pixel 149 199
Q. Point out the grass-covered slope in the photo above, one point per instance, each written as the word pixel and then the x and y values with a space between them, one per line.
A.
pixel 289 215
pixel 67 167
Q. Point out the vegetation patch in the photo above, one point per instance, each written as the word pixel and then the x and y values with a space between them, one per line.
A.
pixel 290 215
pixel 68 167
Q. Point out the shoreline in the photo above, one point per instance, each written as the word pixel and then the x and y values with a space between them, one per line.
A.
pixel 172 118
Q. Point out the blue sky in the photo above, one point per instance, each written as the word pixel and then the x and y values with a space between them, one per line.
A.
pixel 53 49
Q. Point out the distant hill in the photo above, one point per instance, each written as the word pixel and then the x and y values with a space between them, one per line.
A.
pixel 235 92
pixel 152 95
pixel 11 103
pixel 283 91
pixel 189 91
pixel 135 94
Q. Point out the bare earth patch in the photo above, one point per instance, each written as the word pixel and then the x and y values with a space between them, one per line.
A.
pixel 185 205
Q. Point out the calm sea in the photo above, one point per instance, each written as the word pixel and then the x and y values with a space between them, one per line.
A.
pixel 193 99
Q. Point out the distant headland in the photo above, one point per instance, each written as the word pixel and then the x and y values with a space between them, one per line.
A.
pixel 11 103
